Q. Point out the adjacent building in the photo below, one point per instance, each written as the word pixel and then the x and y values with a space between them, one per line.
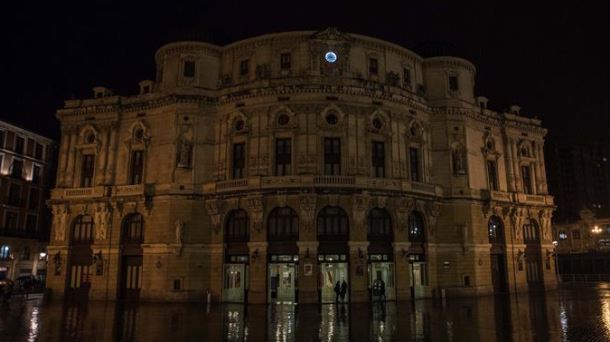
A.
pixel 270 169
pixel 26 170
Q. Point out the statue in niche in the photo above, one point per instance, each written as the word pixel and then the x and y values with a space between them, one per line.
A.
pixel 185 146
pixel 458 158
pixel 179 225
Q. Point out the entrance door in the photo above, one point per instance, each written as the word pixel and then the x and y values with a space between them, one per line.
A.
pixel 282 283
pixel 533 270
pixel 498 273
pixel 131 278
pixel 381 271
pixel 234 287
pixel 330 274
pixel 79 278
pixel 419 279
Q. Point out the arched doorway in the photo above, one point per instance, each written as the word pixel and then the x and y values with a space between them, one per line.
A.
pixel 380 255
pixel 495 231
pixel 417 254
pixel 533 255
pixel 236 237
pixel 333 235
pixel 130 277
pixel 81 258
pixel 282 236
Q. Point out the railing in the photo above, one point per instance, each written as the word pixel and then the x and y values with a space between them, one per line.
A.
pixel 334 180
pixel 92 192
pixel 423 187
pixel 233 184
pixel 585 278
pixel 534 199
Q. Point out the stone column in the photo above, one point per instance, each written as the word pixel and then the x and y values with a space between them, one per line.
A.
pixel 63 157
pixel 402 271
pixel 101 159
pixel 515 165
pixel 257 290
pixel 358 275
pixel 69 174
pixel 543 185
pixel 308 272
pixel 538 169
pixel 509 164
pixel 111 155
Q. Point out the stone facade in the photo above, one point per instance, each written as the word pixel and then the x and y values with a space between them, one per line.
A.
pixel 373 162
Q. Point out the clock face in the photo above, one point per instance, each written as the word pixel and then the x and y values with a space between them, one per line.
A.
pixel 331 57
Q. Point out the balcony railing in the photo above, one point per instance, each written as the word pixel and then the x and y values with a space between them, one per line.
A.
pixel 79 193
pixel 128 190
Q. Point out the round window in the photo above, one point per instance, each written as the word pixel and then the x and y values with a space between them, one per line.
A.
pixel 283 120
pixel 331 57
pixel 331 119
pixel 239 125
pixel 377 123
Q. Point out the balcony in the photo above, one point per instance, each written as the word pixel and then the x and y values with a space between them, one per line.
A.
pixel 532 199
pixel 129 190
pixel 319 181
pixel 499 196
pixel 79 193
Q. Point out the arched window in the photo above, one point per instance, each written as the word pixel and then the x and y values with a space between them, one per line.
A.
pixel 380 225
pixel 236 229
pixel 133 229
pixel 82 230
pixel 283 225
pixel 333 224
pixel 416 227
pixel 531 231
pixel 495 230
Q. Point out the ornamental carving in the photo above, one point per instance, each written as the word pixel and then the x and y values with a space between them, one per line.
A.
pixel 184 146
pixel 433 209
pixel 255 206
pixel 60 221
pixel 307 206
pixel 360 208
pixel 102 220
pixel 214 209
pixel 404 206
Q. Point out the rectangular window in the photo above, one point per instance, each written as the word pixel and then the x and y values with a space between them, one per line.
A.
pixel 189 69
pixel 239 160
pixel 36 174
pixel 137 167
pixel 19 144
pixel 34 199
pixel 87 168
pixel 2 138
pixel 285 61
pixel 406 77
pixel 453 83
pixel 38 152
pixel 332 156
pixel 244 67
pixel 30 147
pixel 492 175
pixel 414 164
pixel 378 159
pixel 14 195
pixel 527 179
pixel 17 168
pixel 11 220
pixel 283 157
pixel 30 223
pixel 373 66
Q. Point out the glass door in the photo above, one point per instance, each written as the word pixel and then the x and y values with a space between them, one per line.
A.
pixel 330 275
pixel 234 287
pixel 282 283
pixel 381 280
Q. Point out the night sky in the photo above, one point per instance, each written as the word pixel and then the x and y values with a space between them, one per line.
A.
pixel 553 61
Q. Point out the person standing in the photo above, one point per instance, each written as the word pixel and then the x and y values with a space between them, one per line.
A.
pixel 382 290
pixel 337 291
pixel 343 290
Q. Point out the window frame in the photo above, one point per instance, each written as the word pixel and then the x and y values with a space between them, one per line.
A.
pixel 238 165
pixel 378 159
pixel 283 157
pixel 332 156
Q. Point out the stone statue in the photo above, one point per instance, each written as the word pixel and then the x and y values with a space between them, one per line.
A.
pixel 179 231
pixel 185 147
pixel 458 160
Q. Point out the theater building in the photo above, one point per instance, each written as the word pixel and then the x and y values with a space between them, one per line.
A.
pixel 270 169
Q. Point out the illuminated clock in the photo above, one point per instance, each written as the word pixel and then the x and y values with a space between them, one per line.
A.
pixel 330 57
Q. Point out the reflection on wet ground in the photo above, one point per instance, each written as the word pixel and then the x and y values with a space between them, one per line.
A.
pixel 569 314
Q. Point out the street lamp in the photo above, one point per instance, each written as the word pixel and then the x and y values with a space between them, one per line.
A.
pixel 555 244
pixel 596 230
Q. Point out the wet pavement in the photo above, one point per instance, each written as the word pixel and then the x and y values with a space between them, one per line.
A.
pixel 569 314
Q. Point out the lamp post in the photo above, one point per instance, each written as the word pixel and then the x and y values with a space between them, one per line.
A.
pixel 557 274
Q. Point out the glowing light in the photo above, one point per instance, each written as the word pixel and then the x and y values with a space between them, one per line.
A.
pixel 596 230
pixel 330 57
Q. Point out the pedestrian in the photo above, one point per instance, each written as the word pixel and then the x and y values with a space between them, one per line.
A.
pixel 343 290
pixel 337 291
pixel 382 290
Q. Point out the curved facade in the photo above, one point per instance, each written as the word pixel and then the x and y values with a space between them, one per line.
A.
pixel 272 168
